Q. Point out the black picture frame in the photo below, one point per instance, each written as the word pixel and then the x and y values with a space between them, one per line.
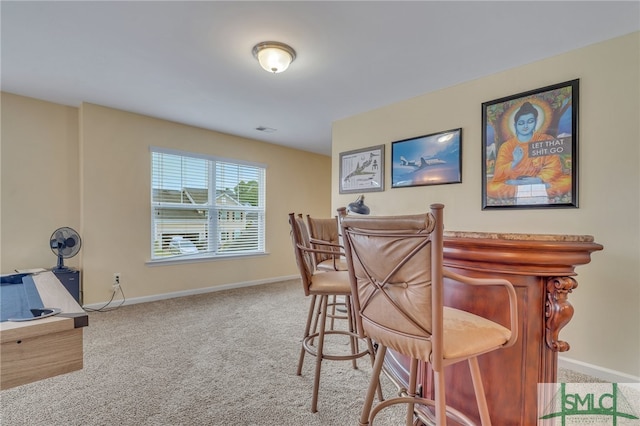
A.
pixel 530 149
pixel 362 170
pixel 433 159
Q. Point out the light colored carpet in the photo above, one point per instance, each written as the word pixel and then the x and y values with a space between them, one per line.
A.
pixel 225 358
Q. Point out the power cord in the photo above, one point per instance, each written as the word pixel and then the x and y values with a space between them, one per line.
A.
pixel 106 308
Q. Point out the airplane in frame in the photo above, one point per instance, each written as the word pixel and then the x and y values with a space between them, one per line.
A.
pixel 423 163
pixel 362 169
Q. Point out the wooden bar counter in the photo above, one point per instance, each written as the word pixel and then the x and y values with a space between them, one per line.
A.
pixel 541 268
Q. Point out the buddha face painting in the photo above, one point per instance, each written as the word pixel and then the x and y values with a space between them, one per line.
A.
pixel 525 126
pixel 525 122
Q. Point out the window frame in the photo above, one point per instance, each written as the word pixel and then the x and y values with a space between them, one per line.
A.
pixel 213 211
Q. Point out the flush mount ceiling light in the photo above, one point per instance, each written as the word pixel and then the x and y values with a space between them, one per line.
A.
pixel 273 56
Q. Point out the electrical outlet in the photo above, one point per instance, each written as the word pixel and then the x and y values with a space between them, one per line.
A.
pixel 116 280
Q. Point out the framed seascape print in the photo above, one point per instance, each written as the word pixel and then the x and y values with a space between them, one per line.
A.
pixel 433 159
pixel 530 149
pixel 362 170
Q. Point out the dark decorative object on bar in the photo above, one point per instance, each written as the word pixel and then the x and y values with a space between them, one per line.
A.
pixel 358 206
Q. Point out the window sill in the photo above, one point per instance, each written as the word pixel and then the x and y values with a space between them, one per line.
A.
pixel 201 258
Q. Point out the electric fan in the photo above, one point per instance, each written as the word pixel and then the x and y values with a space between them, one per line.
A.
pixel 65 243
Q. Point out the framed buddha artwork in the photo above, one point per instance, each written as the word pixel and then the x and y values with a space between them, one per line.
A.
pixel 530 149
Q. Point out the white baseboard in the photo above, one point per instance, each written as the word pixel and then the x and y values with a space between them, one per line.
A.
pixel 163 296
pixel 601 373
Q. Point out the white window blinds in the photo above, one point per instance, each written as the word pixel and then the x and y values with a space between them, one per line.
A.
pixel 204 206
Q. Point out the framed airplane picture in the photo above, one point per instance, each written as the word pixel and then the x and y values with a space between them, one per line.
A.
pixel 433 159
pixel 362 170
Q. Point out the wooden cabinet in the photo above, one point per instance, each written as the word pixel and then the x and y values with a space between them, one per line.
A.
pixel 541 268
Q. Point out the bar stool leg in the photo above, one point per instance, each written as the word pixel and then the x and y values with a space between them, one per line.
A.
pixel 374 384
pixel 307 328
pixel 319 356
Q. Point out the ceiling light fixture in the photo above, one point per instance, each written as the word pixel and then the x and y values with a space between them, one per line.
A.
pixel 273 56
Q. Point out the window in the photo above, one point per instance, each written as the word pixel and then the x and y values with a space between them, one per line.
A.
pixel 202 206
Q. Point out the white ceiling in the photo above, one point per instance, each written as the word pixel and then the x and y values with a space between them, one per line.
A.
pixel 191 62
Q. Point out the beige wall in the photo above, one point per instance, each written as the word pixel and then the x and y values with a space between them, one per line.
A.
pixel 605 330
pixel 89 168
pixel 40 186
